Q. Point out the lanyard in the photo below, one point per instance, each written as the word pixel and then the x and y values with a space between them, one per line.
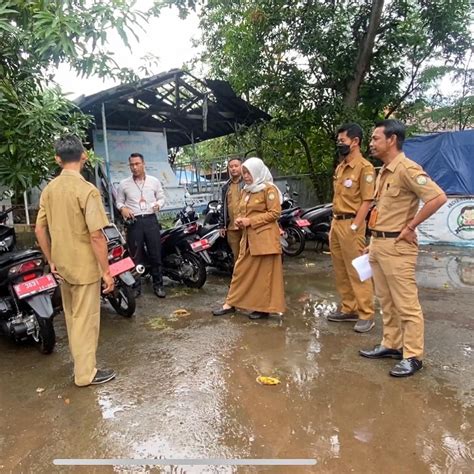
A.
pixel 140 188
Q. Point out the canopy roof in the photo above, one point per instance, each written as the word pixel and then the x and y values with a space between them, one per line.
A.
pixel 187 109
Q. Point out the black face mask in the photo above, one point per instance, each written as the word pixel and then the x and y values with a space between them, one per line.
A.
pixel 343 149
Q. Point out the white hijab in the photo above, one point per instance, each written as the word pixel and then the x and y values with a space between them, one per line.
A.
pixel 261 176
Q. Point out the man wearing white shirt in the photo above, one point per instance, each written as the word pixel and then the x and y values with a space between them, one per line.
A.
pixel 139 197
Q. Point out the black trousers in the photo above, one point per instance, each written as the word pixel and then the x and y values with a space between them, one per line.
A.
pixel 145 231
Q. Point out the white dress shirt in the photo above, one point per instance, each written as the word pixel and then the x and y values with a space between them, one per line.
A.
pixel 130 192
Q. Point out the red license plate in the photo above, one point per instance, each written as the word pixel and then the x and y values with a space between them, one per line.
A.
pixel 38 285
pixel 121 266
pixel 302 222
pixel 200 245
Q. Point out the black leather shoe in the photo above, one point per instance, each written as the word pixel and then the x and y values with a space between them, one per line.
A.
pixel 222 311
pixel 341 317
pixel 102 376
pixel 379 352
pixel 159 291
pixel 258 315
pixel 406 367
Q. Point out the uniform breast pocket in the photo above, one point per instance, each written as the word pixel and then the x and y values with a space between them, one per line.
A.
pixel 392 191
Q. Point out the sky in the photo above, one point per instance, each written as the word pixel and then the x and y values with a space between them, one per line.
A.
pixel 167 37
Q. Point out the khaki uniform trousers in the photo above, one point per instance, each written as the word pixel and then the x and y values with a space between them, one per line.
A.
pixel 233 239
pixel 81 304
pixel 393 265
pixel 357 297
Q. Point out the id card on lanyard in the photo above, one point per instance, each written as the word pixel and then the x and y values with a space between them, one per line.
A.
pixel 142 201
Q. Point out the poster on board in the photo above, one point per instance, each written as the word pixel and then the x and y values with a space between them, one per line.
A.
pixel 153 147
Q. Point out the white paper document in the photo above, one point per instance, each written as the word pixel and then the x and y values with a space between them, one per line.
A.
pixel 362 265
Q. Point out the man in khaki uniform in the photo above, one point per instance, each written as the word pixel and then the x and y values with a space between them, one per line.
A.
pixel 354 182
pixel 68 229
pixel 230 206
pixel 394 248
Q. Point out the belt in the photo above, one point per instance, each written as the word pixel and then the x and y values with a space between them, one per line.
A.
pixel 144 216
pixel 385 235
pixel 341 217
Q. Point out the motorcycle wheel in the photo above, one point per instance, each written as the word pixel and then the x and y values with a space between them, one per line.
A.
pixel 199 270
pixel 296 241
pixel 46 335
pixel 123 300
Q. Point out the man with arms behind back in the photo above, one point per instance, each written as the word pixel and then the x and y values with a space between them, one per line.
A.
pixel 69 231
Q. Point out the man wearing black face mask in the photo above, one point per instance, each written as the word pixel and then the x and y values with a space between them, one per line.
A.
pixel 354 182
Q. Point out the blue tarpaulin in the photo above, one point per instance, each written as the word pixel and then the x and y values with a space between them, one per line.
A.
pixel 447 157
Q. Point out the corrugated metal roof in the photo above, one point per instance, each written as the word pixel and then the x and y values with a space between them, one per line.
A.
pixel 185 107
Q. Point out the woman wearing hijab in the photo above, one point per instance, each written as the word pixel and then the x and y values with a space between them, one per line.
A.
pixel 257 281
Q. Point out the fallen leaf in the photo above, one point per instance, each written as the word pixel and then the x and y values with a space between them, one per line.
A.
pixel 40 390
pixel 181 312
pixel 263 380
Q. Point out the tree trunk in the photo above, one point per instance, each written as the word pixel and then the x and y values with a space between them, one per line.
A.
pixel 312 173
pixel 364 54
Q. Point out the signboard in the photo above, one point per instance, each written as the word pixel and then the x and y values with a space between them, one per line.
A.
pixel 153 147
pixel 453 224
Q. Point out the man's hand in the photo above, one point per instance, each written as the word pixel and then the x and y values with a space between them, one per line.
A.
pixel 242 222
pixel 156 207
pixel 126 213
pixel 408 235
pixel 222 232
pixel 54 271
pixel 366 250
pixel 108 283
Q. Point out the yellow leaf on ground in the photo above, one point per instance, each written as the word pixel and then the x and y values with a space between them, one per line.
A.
pixel 181 312
pixel 263 380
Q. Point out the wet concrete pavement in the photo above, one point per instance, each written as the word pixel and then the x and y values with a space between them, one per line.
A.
pixel 186 385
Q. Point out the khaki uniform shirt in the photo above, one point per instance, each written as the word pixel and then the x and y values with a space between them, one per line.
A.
pixel 398 190
pixel 354 182
pixel 233 199
pixel 263 209
pixel 71 208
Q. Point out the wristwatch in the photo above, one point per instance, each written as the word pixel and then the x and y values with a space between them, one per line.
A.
pixel 354 227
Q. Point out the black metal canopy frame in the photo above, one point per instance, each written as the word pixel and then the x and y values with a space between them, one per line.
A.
pixel 188 110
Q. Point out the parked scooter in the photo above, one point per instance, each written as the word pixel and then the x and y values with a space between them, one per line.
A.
pixel 180 261
pixel 121 266
pixel 319 218
pixel 292 225
pixel 26 309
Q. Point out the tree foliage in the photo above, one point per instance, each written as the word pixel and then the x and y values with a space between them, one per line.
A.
pixel 314 64
pixel 35 37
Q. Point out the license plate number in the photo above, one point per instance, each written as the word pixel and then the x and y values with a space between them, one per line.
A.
pixel 38 285
pixel 202 244
pixel 303 222
pixel 121 266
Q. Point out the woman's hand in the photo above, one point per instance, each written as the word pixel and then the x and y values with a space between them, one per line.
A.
pixel 242 222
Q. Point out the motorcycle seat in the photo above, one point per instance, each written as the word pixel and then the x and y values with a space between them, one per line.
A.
pixel 10 258
pixel 205 229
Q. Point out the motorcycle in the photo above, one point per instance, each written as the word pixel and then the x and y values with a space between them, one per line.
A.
pixel 319 218
pixel 122 299
pixel 26 291
pixel 292 226
pixel 180 261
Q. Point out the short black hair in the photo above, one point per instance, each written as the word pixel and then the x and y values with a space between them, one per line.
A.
pixel 393 127
pixel 353 130
pixel 136 155
pixel 69 148
pixel 238 158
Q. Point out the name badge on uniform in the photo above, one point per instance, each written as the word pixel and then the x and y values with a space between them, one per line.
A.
pixel 142 204
pixel 348 183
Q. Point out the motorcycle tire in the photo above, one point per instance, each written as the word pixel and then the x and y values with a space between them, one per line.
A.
pixel 46 335
pixel 123 300
pixel 199 267
pixel 296 241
